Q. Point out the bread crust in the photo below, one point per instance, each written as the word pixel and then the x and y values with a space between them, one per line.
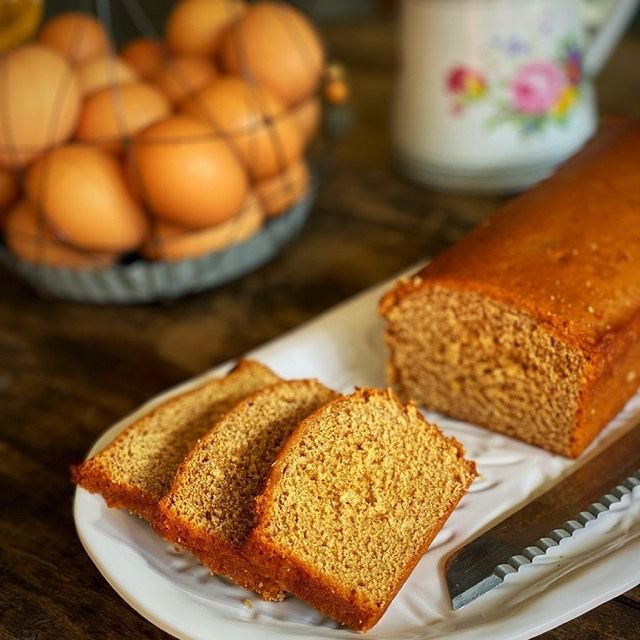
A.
pixel 214 553
pixel 92 477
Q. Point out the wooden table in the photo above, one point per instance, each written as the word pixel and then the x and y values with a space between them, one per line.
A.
pixel 69 370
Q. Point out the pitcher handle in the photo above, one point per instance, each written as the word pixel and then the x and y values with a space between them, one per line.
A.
pixel 607 35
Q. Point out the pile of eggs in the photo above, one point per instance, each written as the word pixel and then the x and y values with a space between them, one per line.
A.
pixel 171 148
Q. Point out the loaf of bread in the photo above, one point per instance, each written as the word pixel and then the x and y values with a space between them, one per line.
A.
pixel 209 508
pixel 136 469
pixel 355 497
pixel 530 324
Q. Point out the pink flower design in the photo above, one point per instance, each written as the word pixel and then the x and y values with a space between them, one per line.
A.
pixel 537 86
pixel 455 79
pixel 467 85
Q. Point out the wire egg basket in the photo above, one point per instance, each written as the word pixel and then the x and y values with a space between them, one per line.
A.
pixel 170 172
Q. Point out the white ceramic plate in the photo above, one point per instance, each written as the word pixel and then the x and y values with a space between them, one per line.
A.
pixel 344 348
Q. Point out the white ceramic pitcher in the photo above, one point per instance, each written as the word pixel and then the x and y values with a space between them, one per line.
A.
pixel 493 94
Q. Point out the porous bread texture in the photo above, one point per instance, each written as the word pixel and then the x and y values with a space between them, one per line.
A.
pixel 354 499
pixel 136 469
pixel 486 363
pixel 209 508
pixel 529 325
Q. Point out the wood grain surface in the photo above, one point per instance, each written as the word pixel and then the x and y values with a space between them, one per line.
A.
pixel 68 371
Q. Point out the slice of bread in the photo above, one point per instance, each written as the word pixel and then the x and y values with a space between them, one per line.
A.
pixel 355 497
pixel 209 509
pixel 136 469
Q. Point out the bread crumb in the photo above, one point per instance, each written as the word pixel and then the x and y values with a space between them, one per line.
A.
pixel 247 603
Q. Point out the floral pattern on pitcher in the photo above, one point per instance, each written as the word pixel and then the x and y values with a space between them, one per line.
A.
pixel 468 85
pixel 531 94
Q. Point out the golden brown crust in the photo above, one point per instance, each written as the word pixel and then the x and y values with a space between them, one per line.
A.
pixel 214 552
pixel 93 478
pixel 566 245
pixel 566 253
pixel 613 379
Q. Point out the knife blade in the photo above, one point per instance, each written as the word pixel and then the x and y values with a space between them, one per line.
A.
pixel 568 506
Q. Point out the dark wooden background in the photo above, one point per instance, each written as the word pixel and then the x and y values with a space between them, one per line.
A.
pixel 68 370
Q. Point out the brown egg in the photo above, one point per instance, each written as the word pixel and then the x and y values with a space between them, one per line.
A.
pixel 8 192
pixel 29 238
pixel 114 114
pixel 255 122
pixel 173 242
pixel 77 36
pixel 39 103
pixel 104 71
pixel 278 193
pixel 278 47
pixel 336 91
pixel 195 27
pixel 84 196
pixel 307 116
pixel 146 55
pixel 183 75
pixel 185 174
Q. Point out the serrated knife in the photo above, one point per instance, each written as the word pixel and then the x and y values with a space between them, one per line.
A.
pixel 483 563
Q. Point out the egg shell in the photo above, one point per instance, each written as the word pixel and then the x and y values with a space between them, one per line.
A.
pixel 278 46
pixel 187 175
pixel 76 35
pixel 114 114
pixel 29 238
pixel 9 192
pixel 278 193
pixel 104 71
pixel 195 27
pixel 256 123
pixel 173 242
pixel 183 75
pixel 19 21
pixel 82 191
pixel 39 105
pixel 336 91
pixel 146 55
pixel 307 117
